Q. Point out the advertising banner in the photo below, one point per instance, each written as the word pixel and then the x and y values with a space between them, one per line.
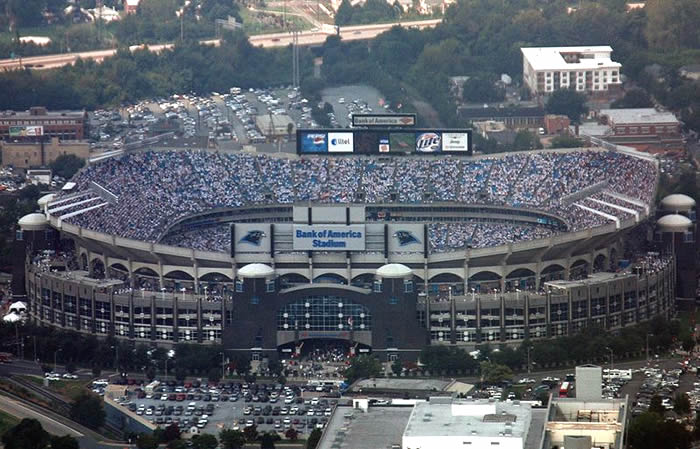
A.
pixel 251 237
pixel 313 142
pixel 328 238
pixel 26 131
pixel 455 142
pixel 406 238
pixel 340 142
pixel 428 142
pixel 384 120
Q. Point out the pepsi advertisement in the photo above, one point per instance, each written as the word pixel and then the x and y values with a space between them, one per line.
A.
pixel 313 142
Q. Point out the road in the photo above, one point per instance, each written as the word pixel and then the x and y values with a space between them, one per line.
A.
pixel 313 37
pixel 15 408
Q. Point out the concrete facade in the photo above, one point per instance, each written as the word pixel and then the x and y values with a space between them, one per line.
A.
pixel 28 155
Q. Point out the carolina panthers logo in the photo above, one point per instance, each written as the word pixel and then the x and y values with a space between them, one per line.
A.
pixel 252 237
pixel 406 238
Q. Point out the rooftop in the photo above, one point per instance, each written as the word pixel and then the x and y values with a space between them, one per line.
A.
pixel 379 427
pixel 448 417
pixel 638 115
pixel 583 58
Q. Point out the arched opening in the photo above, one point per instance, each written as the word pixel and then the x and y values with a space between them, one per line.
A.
pixel 442 285
pixel 484 282
pixel 600 263
pixel 178 280
pixel 97 269
pixel 330 278
pixel 579 270
pixel 146 278
pixel 118 271
pixel 217 284
pixel 520 279
pixel 554 272
pixel 292 279
pixel 364 280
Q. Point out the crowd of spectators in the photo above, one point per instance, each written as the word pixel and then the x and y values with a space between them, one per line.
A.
pixel 155 189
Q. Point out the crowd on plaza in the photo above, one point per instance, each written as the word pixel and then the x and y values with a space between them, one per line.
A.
pixel 155 189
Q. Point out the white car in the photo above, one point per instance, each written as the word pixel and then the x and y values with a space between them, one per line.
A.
pixel 69 376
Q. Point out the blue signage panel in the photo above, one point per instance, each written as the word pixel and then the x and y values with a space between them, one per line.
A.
pixel 313 142
pixel 328 238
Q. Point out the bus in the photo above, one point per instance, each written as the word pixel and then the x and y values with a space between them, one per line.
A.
pixel 565 389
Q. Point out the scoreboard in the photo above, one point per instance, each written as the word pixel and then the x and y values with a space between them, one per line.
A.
pixel 390 141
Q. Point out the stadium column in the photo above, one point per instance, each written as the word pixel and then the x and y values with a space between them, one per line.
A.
pixel 131 315
pixel 175 317
pixel 196 273
pixel 93 315
pixel 153 315
pixel 63 303
pixel 132 280
pixel 112 327
pixel 161 282
pixel 199 320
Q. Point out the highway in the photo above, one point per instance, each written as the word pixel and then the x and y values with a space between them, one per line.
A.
pixel 312 37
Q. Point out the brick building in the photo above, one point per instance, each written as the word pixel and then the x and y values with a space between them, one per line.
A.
pixel 38 124
pixel 642 128
pixel 40 154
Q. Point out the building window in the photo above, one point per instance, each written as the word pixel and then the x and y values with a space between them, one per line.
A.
pixel 270 286
pixel 377 286
pixel 239 286
pixel 408 286
pixel 19 235
pixel 393 300
pixel 324 313
pixel 255 299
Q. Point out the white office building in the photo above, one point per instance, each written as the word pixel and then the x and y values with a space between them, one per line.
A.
pixel 446 423
pixel 586 69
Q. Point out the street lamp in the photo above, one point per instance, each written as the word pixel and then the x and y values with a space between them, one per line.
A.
pixel 529 348
pixel 55 354
pixel 170 354
pixel 223 366
pixel 517 294
pixel 162 293
pixel 205 292
pixel 611 356
pixel 116 357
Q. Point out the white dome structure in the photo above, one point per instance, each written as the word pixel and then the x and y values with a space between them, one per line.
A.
pixel 678 203
pixel 46 199
pixel 33 222
pixel 18 307
pixel 12 318
pixel 394 270
pixel 256 271
pixel 674 223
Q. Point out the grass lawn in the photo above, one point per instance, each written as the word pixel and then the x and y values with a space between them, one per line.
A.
pixel 70 389
pixel 7 421
pixel 251 24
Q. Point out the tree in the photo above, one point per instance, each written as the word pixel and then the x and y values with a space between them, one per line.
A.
pixel 251 433
pixel 482 89
pixel 688 343
pixel 525 140
pixel 566 141
pixel 495 373
pixel 681 404
pixel 64 442
pixel 634 98
pixel 171 432
pixel 650 431
pixel 361 367
pixel 567 102
pixel 232 439
pixel 397 367
pixel 96 370
pixel 655 405
pixel 177 444
pixel 267 441
pixel 671 24
pixel 314 438
pixel 291 434
pixel 87 410
pixel 204 441
pixel 66 165
pixel 28 434
pixel 214 375
pixel 146 441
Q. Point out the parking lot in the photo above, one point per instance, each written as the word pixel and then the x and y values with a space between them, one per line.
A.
pixel 270 407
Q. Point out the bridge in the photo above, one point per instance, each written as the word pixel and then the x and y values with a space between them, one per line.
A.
pixel 313 37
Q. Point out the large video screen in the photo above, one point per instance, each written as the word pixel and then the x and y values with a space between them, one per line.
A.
pixel 384 141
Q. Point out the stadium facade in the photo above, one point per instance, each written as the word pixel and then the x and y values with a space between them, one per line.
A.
pixel 391 295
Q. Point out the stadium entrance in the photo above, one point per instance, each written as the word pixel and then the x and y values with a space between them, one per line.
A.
pixel 323 349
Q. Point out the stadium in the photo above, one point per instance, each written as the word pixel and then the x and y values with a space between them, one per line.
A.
pixel 271 254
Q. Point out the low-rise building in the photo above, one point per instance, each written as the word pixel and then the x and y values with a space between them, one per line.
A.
pixel 38 123
pixel 275 125
pixel 448 423
pixel 642 128
pixel 40 154
pixel 556 124
pixel 586 69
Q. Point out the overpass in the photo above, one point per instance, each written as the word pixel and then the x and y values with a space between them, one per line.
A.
pixel 312 37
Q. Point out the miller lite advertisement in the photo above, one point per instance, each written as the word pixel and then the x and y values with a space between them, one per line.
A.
pixel 428 142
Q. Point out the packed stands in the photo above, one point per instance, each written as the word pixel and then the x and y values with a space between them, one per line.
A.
pixel 157 188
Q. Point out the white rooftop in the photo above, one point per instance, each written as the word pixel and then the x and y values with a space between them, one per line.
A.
pixel 638 116
pixel 447 417
pixel 550 58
